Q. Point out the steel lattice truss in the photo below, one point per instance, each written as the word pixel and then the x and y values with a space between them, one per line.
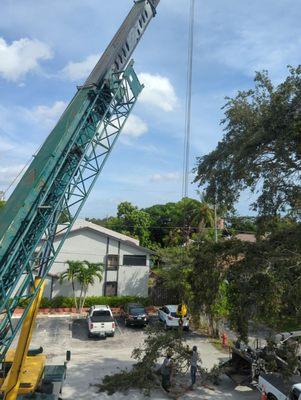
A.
pixel 62 197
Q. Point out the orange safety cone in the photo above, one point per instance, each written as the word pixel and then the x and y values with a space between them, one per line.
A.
pixel 263 394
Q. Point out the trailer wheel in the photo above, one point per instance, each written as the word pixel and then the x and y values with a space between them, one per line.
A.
pixel 270 396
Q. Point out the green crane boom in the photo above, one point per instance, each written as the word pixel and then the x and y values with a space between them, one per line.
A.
pixel 62 174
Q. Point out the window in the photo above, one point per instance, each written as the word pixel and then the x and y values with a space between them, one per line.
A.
pixel 134 260
pixel 101 316
pixel 124 52
pixel 111 289
pixel 112 261
pixel 127 46
pixel 140 23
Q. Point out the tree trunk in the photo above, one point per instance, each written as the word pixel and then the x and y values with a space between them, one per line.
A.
pixel 80 300
pixel 84 298
pixel 74 294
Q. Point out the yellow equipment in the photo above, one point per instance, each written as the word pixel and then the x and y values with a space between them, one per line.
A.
pixel 26 371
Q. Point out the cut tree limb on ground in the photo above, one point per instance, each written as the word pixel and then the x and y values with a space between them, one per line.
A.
pixel 145 374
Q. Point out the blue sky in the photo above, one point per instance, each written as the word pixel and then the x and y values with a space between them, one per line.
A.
pixel 47 48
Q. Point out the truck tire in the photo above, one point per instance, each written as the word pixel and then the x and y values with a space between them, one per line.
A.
pixel 270 396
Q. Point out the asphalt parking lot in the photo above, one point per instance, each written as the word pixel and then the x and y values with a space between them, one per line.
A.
pixel 94 358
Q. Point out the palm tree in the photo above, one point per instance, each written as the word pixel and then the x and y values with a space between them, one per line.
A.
pixel 86 277
pixel 205 215
pixel 70 275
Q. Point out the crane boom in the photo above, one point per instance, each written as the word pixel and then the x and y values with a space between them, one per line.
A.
pixel 62 174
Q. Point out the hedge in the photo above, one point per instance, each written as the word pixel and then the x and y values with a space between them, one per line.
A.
pixel 68 302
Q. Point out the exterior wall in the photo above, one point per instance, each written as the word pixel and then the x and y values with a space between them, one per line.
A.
pixel 86 244
pixel 133 281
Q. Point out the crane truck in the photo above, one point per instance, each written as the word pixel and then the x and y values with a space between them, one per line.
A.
pixel 50 196
pixel 263 367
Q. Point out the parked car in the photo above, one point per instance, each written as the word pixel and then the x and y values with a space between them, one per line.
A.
pixel 134 314
pixel 168 315
pixel 100 321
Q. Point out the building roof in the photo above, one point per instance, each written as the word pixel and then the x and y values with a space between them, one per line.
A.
pixel 246 237
pixel 81 224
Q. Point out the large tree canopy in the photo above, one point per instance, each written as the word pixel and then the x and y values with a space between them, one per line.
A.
pixel 261 147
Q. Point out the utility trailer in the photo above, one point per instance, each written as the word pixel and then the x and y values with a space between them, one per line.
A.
pixel 240 366
pixel 250 366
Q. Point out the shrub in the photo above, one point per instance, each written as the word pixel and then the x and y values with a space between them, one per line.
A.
pixel 45 303
pixel 68 302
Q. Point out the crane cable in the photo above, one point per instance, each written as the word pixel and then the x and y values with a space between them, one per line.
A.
pixel 188 101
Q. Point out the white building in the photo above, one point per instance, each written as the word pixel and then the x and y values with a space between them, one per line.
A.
pixel 126 264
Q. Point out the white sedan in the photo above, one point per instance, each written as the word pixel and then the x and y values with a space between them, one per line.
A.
pixel 168 315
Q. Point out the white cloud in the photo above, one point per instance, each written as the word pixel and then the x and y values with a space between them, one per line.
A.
pixel 8 174
pixel 158 92
pixel 135 126
pixel 21 56
pixel 75 71
pixel 169 176
pixel 47 115
pixel 5 145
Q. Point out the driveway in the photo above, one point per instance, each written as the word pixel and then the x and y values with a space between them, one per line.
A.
pixel 92 359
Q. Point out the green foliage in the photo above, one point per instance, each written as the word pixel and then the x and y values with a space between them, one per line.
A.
pixel 264 283
pixel 239 281
pixel 172 224
pixel 131 221
pixel 116 301
pixel 144 374
pixel 242 224
pixel 59 302
pixel 85 274
pixel 261 148
pixel 196 273
pixel 46 303
pixel 68 302
pixel 175 269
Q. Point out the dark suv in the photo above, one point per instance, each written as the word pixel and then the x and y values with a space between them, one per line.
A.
pixel 134 314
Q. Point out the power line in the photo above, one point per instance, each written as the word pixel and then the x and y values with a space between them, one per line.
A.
pixel 188 101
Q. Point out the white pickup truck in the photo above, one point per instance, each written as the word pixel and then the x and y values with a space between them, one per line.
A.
pixel 100 321
pixel 276 389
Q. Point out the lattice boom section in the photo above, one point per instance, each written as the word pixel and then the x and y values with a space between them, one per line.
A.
pixel 72 182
